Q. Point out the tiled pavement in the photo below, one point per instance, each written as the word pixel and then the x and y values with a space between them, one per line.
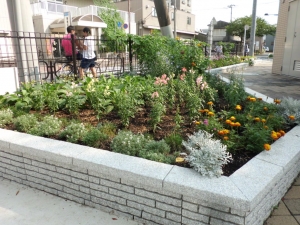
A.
pixel 260 78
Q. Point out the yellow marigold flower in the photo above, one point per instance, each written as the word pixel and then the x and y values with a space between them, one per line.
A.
pixel 225 131
pixel 211 114
pixel 282 132
pixel 291 117
pixel 206 110
pixel 232 118
pixel 266 127
pixel 238 107
pixel 210 103
pixel 252 99
pixel 263 120
pixel 197 122
pixel 237 124
pixel 266 108
pixel 274 136
pixel 228 121
pixel 232 124
pixel 267 147
pixel 199 45
pixel 256 119
pixel 225 138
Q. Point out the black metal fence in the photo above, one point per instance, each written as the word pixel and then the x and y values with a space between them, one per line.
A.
pixel 41 56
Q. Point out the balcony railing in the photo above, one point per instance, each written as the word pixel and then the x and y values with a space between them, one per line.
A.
pixel 42 8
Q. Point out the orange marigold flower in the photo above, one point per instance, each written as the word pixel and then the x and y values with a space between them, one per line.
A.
pixel 206 110
pixel 282 132
pixel 274 136
pixel 210 103
pixel 225 138
pixel 263 120
pixel 238 107
pixel 232 118
pixel 291 117
pixel 248 98
pixel 278 134
pixel 252 99
pixel 221 132
pixel 266 108
pixel 277 101
pixel 232 124
pixel 211 114
pixel 237 124
pixel 259 99
pixel 256 119
pixel 193 64
pixel 228 121
pixel 201 110
pixel 267 147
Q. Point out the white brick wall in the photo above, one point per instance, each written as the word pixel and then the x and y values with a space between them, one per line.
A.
pixel 150 205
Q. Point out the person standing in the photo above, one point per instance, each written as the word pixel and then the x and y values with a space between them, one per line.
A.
pixel 66 43
pixel 246 50
pixel 88 54
pixel 219 50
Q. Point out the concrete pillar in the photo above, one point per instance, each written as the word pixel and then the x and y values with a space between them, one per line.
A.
pixel 163 18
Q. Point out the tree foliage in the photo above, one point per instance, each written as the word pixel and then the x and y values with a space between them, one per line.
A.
pixel 109 14
pixel 236 27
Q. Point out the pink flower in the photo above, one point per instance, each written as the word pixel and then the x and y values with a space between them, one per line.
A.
pixel 163 80
pixel 164 76
pixel 183 69
pixel 205 122
pixel 204 85
pixel 182 76
pixel 199 80
pixel 155 95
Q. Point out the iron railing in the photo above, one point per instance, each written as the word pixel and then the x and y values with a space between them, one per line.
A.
pixel 40 56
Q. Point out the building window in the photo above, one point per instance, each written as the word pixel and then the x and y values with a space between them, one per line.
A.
pixel 154 13
pixel 189 20
pixel 188 2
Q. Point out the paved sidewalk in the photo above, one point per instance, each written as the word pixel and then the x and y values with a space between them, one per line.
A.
pixel 260 78
pixel 22 205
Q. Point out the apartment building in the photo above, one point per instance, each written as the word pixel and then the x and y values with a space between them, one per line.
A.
pixel 287 44
pixel 146 16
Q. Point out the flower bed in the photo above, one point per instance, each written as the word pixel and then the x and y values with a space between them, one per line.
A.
pixel 148 191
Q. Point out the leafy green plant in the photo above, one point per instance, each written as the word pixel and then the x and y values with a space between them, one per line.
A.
pixel 289 108
pixel 74 132
pixel 174 140
pixel 128 143
pixel 49 126
pixel 25 123
pixel 6 117
pixel 94 138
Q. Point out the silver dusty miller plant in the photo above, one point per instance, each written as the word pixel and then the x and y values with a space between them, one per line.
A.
pixel 206 155
pixel 290 107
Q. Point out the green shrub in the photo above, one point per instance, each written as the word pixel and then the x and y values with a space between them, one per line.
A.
pixel 174 140
pixel 108 128
pixel 74 132
pixel 6 117
pixel 158 147
pixel 128 143
pixel 158 157
pixel 95 138
pixel 25 123
pixel 49 126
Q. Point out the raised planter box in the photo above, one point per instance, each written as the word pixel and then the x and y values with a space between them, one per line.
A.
pixel 147 191
pixel 226 69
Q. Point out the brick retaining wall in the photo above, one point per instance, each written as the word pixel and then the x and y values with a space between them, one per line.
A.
pixel 151 192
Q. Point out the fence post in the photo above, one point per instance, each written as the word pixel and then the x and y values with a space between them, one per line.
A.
pixel 74 53
pixel 130 54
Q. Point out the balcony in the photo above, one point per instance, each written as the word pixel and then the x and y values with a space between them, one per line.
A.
pixel 43 8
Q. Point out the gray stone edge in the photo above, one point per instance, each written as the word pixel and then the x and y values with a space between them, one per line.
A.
pixel 227 68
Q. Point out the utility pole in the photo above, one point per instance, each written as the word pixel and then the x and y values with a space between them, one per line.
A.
pixel 230 6
pixel 129 16
pixel 253 28
pixel 163 18
pixel 175 32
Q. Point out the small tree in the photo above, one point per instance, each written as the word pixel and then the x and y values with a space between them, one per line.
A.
pixel 236 27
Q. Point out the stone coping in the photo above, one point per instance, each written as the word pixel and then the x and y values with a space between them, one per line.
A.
pixel 226 69
pixel 242 190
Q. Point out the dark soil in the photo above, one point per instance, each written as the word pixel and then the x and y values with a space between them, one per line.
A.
pixel 140 124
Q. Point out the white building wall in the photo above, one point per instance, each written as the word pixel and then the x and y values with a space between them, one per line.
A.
pixel 4 16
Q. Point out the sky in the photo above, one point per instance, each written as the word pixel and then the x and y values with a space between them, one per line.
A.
pixel 205 10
